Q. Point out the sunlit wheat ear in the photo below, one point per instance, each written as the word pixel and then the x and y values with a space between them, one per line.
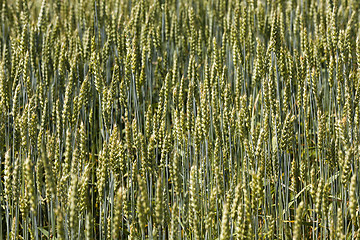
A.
pixel 353 205
pixel 73 199
pixel 159 207
pixel 142 204
pixel 298 232
pixel 194 201
pixel 8 175
pixel 225 230
pixel 49 174
pixel 340 225
pixel 60 229
pixel 118 204
pixel 30 184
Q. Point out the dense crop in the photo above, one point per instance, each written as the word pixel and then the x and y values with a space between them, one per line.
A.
pixel 176 119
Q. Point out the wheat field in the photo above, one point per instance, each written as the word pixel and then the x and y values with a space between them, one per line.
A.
pixel 176 119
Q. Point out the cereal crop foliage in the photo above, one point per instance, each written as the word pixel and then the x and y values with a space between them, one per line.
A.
pixel 177 119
